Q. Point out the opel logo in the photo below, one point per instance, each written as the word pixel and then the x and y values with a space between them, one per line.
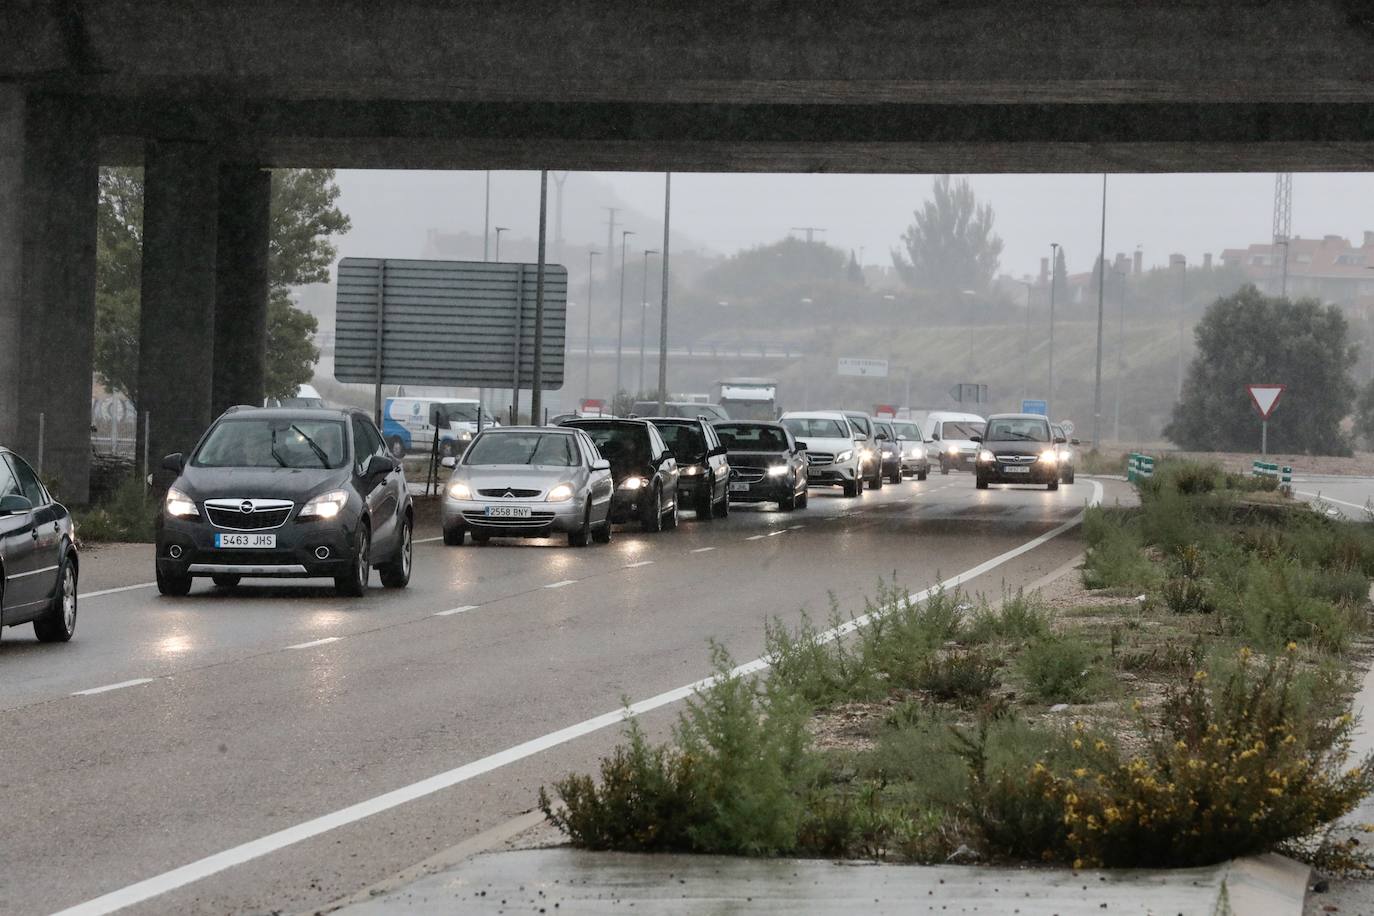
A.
pixel 246 507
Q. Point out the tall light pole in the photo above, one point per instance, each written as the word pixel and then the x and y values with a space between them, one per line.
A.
pixel 537 397
pixel 499 230
pixel 1054 272
pixel 1120 350
pixel 663 315
pixel 587 370
pixel 486 223
pixel 620 330
pixel 1101 290
pixel 644 315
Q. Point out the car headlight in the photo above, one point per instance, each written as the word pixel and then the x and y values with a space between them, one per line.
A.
pixel 1049 456
pixel 179 505
pixel 465 435
pixel 560 494
pixel 985 457
pixel 459 490
pixel 691 470
pixel 326 505
pixel 844 456
pixel 633 483
pixel 777 470
pixel 953 450
pixel 919 454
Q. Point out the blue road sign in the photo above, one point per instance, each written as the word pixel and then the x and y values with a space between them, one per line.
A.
pixel 1032 406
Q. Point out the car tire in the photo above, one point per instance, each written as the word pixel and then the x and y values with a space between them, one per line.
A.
pixel 803 499
pixel 174 586
pixel 877 482
pixel 981 484
pixel 1068 478
pixel 670 519
pixel 454 535
pixel 922 475
pixel 396 572
pixel 58 622
pixel 353 584
pixel 722 508
pixel 226 580
pixel 896 476
pixel 1054 485
pixel 396 447
pixel 651 517
pixel 583 535
pixel 789 502
pixel 944 468
pixel 705 508
pixel 852 488
pixel 602 535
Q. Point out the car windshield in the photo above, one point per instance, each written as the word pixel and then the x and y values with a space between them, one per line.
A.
pixel 861 423
pixel 549 449
pixel 620 444
pixel 686 441
pixel 467 413
pixel 907 431
pixel 960 429
pixel 275 442
pixel 1018 430
pixel 744 437
pixel 815 428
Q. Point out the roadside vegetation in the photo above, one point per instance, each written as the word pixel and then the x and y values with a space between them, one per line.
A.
pixel 1184 704
pixel 125 514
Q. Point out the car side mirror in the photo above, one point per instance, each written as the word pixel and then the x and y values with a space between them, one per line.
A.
pixel 1074 441
pixel 975 438
pixel 1059 440
pixel 448 462
pixel 667 453
pixel 860 437
pixel 601 464
pixel 379 466
pixel 801 446
pixel 14 504
pixel 175 463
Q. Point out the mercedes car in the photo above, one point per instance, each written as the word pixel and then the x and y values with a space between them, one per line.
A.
pixel 286 493
pixel 529 481
pixel 833 449
pixel 766 464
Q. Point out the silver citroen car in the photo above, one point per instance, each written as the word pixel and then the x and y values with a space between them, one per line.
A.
pixel 532 482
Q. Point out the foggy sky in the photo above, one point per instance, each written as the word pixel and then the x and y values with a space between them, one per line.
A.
pixel 1188 213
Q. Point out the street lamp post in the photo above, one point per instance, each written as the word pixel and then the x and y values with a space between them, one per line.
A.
pixel 486 232
pixel 1120 350
pixel 663 292
pixel 499 230
pixel 1101 293
pixel 587 369
pixel 1054 272
pixel 620 331
pixel 644 314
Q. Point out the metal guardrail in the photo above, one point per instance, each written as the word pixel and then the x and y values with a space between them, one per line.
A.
pixel 1139 467
pixel 1283 474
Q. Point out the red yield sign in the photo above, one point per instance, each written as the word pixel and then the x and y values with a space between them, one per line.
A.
pixel 1265 397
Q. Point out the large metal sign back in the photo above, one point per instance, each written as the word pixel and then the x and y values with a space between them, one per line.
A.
pixel 453 323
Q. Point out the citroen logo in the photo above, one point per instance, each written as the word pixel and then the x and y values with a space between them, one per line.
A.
pixel 508 495
pixel 246 507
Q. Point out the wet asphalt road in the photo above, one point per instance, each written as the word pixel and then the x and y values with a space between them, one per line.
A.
pixel 1344 496
pixel 252 711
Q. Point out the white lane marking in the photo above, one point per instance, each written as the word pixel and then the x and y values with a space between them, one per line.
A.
pixel 108 687
pixel 114 591
pixel 795 527
pixel 639 564
pixel 756 537
pixel 561 583
pixel 702 549
pixel 439 537
pixel 773 534
pixel 1328 499
pixel 315 642
pixel 457 610
pixel 237 855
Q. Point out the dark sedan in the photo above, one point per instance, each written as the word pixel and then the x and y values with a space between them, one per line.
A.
pixel 38 559
pixel 766 464
pixel 703 470
pixel 1018 448
pixel 642 466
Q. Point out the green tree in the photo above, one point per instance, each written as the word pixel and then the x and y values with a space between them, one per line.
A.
pixel 1364 415
pixel 1250 338
pixel 950 246
pixel 303 218
pixel 778 273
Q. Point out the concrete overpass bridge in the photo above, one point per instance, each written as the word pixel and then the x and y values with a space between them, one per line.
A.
pixel 206 96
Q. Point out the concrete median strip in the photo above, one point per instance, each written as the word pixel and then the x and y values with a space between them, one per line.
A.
pixel 200 869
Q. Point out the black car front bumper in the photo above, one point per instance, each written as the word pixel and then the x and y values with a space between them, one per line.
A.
pixel 311 549
pixel 1037 473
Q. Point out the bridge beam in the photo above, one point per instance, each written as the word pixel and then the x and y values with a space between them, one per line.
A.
pixel 177 324
pixel 48 200
pixel 240 347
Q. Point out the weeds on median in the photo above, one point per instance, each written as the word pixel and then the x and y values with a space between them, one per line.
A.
pixel 127 515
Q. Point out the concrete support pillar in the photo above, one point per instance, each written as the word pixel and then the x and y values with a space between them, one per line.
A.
pixel 177 324
pixel 245 204
pixel 48 188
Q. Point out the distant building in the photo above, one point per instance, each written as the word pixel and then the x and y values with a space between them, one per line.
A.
pixel 1330 269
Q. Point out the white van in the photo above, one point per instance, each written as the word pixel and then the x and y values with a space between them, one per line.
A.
pixel 952 432
pixel 409 424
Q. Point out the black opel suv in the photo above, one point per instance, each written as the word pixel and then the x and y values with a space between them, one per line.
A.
pixel 295 493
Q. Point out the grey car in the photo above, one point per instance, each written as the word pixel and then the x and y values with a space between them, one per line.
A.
pixel 532 482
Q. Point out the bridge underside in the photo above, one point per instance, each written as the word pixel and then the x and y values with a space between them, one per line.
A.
pixel 206 96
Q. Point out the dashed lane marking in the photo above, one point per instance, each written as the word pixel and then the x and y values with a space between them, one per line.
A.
pixel 702 549
pixel 457 610
pixel 108 687
pixel 562 583
pixel 315 642
pixel 639 564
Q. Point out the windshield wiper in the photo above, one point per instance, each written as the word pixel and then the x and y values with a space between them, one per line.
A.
pixel 273 450
pixel 314 447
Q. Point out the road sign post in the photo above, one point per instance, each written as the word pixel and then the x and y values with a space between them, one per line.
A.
pixel 1265 398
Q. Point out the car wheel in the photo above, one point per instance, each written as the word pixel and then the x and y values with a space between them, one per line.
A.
pixel 58 623
pixel 354 582
pixel 454 535
pixel 1068 478
pixel 722 508
pixel 789 502
pixel 896 476
pixel 583 535
pixel 877 482
pixel 852 488
pixel 803 499
pixel 396 573
pixel 944 468
pixel 397 447
pixel 602 534
pixel 705 508
pixel 981 484
pixel 1054 485
pixel 671 518
pixel 226 580
pixel 652 516
pixel 923 475
pixel 175 586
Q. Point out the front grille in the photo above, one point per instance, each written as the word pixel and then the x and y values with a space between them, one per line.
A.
pixel 511 492
pixel 819 459
pixel 747 475
pixel 264 513
pixel 536 520
pixel 1016 459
